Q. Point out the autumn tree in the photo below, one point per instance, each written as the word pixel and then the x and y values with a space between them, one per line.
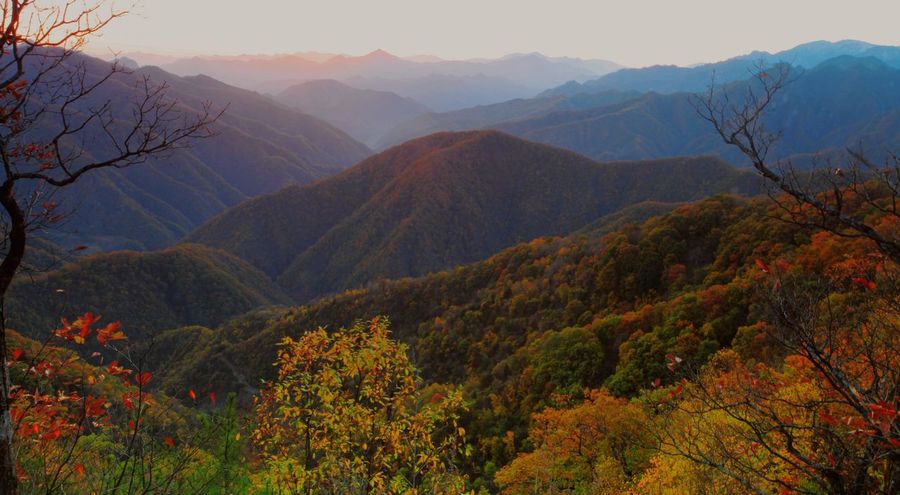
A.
pixel 95 428
pixel 825 420
pixel 346 415
pixel 831 193
pixel 56 125
pixel 595 447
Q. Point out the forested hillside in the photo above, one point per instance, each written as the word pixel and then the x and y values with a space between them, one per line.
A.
pixel 260 146
pixel 440 201
pixel 551 316
pixel 146 292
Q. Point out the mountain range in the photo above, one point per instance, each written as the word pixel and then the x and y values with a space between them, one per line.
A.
pixel 486 116
pixel 442 200
pixel 841 102
pixel 673 79
pixel 259 147
pixel 532 70
pixel 441 85
pixel 831 106
pixel 491 93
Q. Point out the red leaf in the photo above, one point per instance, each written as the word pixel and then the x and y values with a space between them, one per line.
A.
pixel 169 441
pixel 762 266
pixel 212 397
pixel 16 354
pixel 143 378
pixel 110 332
pixel 52 435
pixel 94 406
pixel 192 394
pixel 116 370
pixel 79 469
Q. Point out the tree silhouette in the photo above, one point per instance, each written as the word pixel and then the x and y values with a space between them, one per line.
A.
pixel 824 196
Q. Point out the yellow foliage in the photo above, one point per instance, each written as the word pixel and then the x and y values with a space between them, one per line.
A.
pixel 345 415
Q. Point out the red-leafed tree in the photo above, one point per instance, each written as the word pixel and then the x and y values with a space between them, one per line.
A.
pixel 52 108
pixel 826 420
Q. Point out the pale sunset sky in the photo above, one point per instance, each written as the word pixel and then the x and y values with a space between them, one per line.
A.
pixel 630 32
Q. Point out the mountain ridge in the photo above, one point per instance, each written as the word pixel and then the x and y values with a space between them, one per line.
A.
pixel 673 78
pixel 147 291
pixel 442 200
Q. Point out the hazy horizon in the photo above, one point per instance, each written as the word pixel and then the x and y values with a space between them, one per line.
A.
pixel 636 35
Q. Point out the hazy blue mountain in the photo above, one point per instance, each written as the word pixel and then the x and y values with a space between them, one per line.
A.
pixel 260 147
pixel 531 70
pixel 671 78
pixel 489 115
pixel 365 114
pixel 443 93
pixel 839 103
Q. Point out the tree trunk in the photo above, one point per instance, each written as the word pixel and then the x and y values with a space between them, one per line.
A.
pixel 8 268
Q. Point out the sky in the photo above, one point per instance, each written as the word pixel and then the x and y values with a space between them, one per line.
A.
pixel 631 32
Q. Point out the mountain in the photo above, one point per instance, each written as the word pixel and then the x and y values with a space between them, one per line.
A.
pixel 442 200
pixel 484 116
pixel 814 53
pixel 673 79
pixel 147 292
pixel 651 126
pixel 364 114
pixel 260 147
pixel 443 93
pixel 841 102
pixel 531 70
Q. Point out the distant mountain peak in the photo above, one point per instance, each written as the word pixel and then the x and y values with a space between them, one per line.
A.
pixel 379 54
pixel 529 55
